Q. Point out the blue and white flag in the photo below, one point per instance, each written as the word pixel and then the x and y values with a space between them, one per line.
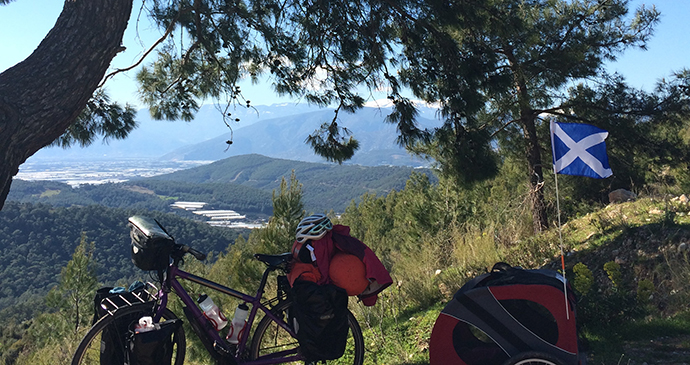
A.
pixel 579 149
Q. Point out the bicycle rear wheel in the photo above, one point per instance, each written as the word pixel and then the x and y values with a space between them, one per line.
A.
pixel 106 339
pixel 270 338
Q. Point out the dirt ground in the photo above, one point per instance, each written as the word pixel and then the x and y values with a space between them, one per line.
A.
pixel 663 350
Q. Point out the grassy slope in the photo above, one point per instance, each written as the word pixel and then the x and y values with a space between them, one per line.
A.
pixel 646 237
pixel 649 239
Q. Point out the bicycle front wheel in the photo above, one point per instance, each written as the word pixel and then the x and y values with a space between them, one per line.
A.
pixel 105 341
pixel 270 338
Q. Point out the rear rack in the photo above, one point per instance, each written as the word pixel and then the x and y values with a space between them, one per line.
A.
pixel 127 299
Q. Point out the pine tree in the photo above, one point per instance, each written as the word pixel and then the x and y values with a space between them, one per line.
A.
pixel 499 68
pixel 73 297
pixel 288 210
pixel 496 68
pixel 44 94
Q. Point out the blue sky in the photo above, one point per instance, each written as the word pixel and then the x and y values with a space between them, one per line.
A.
pixel 24 23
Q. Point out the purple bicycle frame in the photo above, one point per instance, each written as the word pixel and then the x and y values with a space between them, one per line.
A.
pixel 174 272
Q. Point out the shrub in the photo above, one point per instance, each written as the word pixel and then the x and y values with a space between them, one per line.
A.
pixel 584 279
pixel 613 270
pixel 645 288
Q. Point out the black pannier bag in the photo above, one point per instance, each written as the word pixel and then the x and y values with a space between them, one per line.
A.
pixel 151 244
pixel 153 347
pixel 319 316
pixel 114 337
pixel 114 340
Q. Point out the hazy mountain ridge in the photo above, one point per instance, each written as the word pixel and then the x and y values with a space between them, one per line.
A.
pixel 154 138
pixel 285 137
pixel 277 130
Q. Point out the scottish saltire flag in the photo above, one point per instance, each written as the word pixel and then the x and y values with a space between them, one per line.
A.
pixel 579 149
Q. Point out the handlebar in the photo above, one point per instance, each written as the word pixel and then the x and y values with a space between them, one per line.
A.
pixel 197 254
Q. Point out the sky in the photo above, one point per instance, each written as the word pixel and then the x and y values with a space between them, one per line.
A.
pixel 24 23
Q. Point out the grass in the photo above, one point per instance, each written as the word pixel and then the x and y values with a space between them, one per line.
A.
pixel 651 340
pixel 643 236
pixel 402 339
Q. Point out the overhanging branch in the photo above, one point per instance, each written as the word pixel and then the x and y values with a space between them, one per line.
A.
pixel 160 40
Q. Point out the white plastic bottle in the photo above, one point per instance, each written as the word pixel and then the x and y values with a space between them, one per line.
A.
pixel 238 324
pixel 145 324
pixel 212 312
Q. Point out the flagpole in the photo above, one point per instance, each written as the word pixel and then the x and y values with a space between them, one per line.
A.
pixel 575 158
pixel 558 209
pixel 560 240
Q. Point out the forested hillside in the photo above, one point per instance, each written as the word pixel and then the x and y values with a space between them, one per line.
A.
pixel 241 183
pixel 325 186
pixel 145 194
pixel 37 240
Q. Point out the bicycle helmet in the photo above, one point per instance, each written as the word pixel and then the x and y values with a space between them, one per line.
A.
pixel 313 227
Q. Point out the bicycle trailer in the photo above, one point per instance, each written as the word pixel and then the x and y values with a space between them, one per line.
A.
pixel 504 314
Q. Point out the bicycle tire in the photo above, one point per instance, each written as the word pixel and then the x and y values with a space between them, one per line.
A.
pixel 281 340
pixel 89 349
pixel 533 358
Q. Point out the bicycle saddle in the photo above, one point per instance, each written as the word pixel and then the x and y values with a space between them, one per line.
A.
pixel 274 260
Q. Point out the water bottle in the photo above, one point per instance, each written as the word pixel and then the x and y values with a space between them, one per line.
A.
pixel 238 323
pixel 212 312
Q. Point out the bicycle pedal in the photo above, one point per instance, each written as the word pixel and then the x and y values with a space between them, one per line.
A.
pixel 222 349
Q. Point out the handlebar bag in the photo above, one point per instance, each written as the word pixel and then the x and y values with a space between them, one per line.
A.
pixel 151 244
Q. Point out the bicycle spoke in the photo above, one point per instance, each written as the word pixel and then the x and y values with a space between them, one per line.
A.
pixel 272 341
pixel 107 338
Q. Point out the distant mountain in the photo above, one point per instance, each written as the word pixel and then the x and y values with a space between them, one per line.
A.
pixel 154 138
pixel 284 137
pixel 278 131
pixel 325 186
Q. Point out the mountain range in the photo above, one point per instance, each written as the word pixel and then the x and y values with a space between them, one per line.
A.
pixel 277 130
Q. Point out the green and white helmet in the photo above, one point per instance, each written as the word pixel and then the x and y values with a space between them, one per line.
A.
pixel 313 227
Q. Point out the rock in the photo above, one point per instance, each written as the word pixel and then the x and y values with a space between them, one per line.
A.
pixel 621 195
pixel 683 247
pixel 683 199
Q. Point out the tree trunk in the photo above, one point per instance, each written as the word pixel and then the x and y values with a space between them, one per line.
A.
pixel 532 152
pixel 536 175
pixel 42 95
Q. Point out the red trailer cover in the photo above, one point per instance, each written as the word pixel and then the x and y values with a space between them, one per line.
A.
pixel 504 313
